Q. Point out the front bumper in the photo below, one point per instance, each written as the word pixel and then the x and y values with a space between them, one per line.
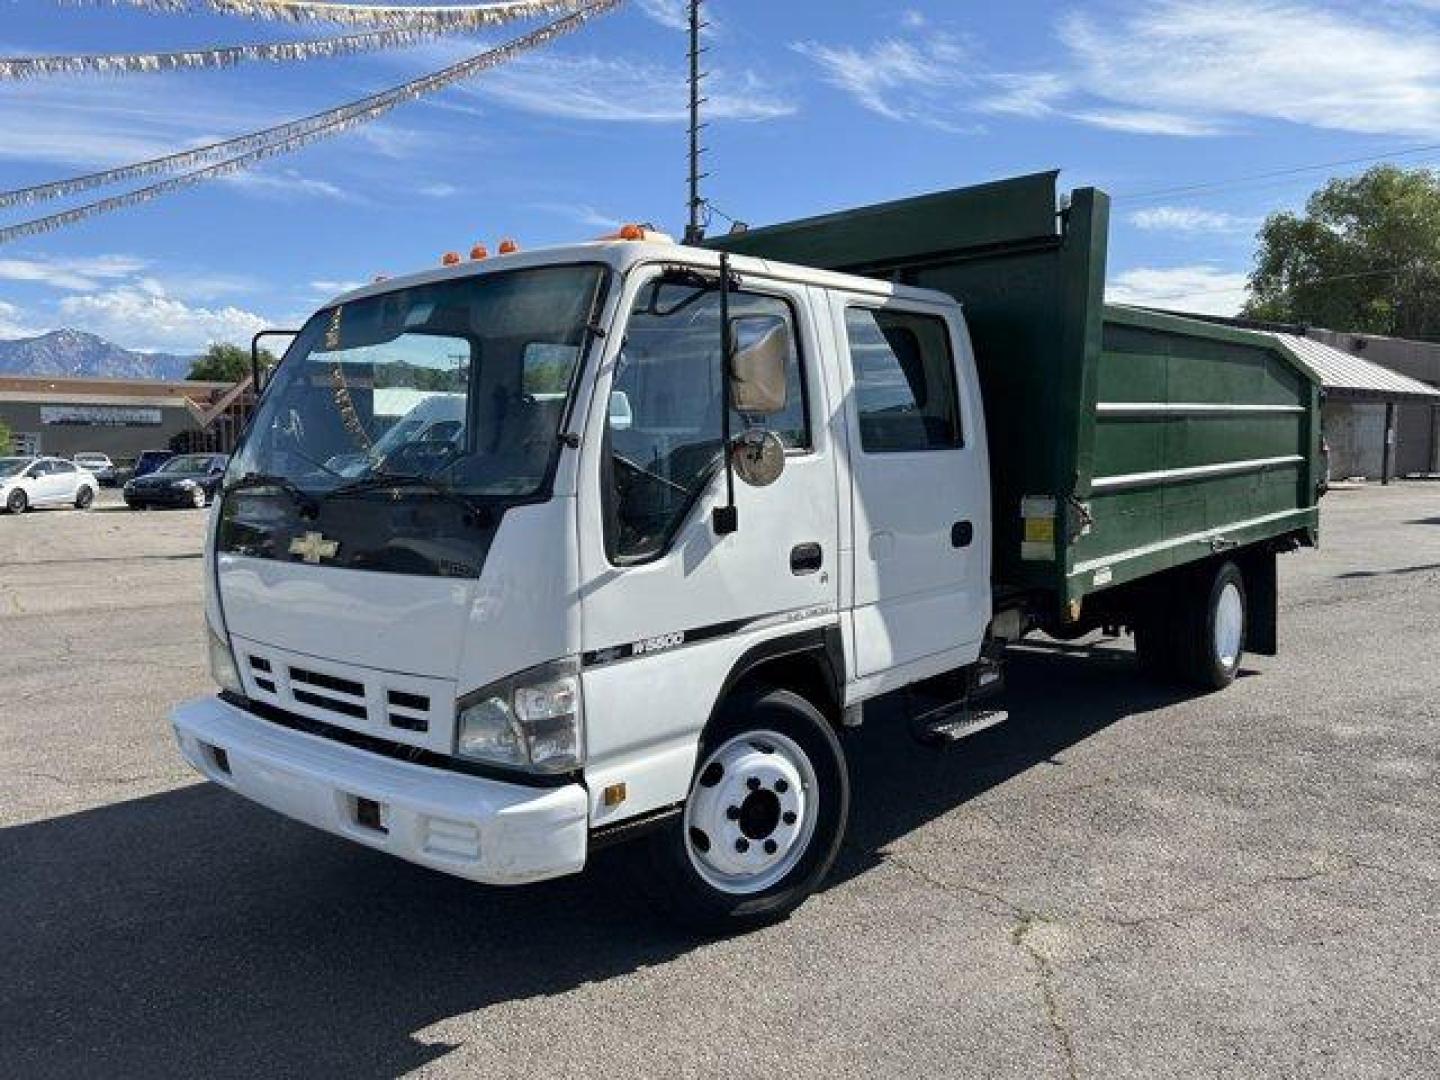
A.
pixel 476 828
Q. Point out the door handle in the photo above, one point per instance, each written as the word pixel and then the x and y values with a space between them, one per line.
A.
pixel 806 559
pixel 962 534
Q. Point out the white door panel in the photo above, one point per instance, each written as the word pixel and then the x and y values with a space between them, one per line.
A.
pixel 699 581
pixel 920 516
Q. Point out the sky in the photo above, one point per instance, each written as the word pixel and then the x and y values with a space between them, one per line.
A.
pixel 815 105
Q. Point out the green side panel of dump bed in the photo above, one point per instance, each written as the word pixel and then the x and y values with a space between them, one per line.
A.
pixel 1158 440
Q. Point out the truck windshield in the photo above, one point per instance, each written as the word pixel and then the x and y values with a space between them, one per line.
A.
pixel 463 383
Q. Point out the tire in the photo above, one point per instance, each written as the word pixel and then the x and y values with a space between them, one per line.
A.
pixel 767 812
pixel 84 497
pixel 1198 636
pixel 18 502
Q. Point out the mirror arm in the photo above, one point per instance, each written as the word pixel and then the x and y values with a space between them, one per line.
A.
pixel 726 519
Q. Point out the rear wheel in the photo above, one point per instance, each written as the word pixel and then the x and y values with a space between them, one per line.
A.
pixel 84 497
pixel 1195 634
pixel 764 821
pixel 17 503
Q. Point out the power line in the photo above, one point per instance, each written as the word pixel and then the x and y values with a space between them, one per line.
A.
pixel 1297 170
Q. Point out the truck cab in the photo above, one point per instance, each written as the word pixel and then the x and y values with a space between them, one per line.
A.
pixel 635 589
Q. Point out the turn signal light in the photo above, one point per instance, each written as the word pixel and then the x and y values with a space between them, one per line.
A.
pixel 639 232
pixel 478 252
pixel 450 258
pixel 508 247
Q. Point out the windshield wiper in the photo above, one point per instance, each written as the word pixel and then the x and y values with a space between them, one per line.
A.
pixel 298 495
pixel 385 481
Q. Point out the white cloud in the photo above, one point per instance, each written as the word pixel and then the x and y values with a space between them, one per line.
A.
pixel 1147 122
pixel 615 89
pixel 581 214
pixel 1371 69
pixel 74 274
pixel 1191 220
pixel 1025 94
pixel 438 191
pixel 12 324
pixel 1205 290
pixel 899 79
pixel 912 19
pixel 326 289
pixel 143 315
pixel 287 183
pixel 671 14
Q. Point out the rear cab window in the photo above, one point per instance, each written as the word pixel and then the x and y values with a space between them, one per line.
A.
pixel 903 365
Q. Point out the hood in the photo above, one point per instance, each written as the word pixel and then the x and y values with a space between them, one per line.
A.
pixel 156 479
pixel 514 609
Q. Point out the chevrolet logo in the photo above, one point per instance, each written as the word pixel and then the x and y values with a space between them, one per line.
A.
pixel 312 547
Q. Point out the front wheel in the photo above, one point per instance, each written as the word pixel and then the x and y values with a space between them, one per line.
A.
pixel 17 503
pixel 764 821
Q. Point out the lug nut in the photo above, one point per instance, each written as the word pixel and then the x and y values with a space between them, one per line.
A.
pixel 789 817
pixel 769 847
pixel 753 783
pixel 733 813
pixel 742 845
pixel 781 786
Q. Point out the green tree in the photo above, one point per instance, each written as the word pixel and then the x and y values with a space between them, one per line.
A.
pixel 226 363
pixel 1364 256
pixel 5 437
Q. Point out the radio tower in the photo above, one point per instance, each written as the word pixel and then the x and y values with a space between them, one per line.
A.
pixel 695 230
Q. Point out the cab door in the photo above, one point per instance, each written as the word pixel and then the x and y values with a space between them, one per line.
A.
pixel 63 481
pixel 919 490
pixel 670 604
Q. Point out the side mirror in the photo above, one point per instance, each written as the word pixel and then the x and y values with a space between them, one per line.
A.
pixel 762 345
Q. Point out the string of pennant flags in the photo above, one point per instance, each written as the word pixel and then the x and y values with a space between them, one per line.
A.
pixel 402 25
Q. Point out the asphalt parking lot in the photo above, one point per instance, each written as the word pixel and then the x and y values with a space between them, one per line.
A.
pixel 1120 882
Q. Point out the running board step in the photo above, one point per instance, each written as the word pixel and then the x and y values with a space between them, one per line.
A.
pixel 951 723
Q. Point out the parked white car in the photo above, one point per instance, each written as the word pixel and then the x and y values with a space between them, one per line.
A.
pixel 44 481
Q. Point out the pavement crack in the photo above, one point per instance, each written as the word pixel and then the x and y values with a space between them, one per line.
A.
pixel 1049 996
pixel 1025 921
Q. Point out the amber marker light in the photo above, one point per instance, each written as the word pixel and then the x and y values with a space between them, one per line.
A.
pixel 508 246
pixel 479 252
pixel 450 258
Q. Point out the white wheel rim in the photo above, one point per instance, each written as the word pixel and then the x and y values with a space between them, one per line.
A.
pixel 751 813
pixel 1229 625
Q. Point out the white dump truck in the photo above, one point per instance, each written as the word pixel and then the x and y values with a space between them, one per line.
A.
pixel 674 515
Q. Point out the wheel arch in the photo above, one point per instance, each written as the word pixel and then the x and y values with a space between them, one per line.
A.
pixel 810 663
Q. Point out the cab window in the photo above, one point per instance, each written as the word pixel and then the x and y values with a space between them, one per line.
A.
pixel 664 432
pixel 904 369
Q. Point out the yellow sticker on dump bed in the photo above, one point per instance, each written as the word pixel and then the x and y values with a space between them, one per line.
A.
pixel 1038 535
pixel 1039 530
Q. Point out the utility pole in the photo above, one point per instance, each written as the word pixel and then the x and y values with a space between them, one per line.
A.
pixel 695 230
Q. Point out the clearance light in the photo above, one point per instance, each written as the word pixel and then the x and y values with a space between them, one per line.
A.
pixel 508 247
pixel 478 252
pixel 639 232
pixel 450 258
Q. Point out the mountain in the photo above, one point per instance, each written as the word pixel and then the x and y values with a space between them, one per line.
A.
pixel 76 353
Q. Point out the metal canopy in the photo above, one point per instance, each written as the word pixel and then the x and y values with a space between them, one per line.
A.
pixel 1345 374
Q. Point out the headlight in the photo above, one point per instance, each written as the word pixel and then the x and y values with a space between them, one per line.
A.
pixel 532 721
pixel 222 664
pixel 186 484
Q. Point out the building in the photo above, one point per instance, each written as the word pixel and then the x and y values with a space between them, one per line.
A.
pixel 1416 420
pixel 120 417
pixel 1378 423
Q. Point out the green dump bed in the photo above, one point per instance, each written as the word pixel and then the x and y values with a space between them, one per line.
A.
pixel 1122 442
